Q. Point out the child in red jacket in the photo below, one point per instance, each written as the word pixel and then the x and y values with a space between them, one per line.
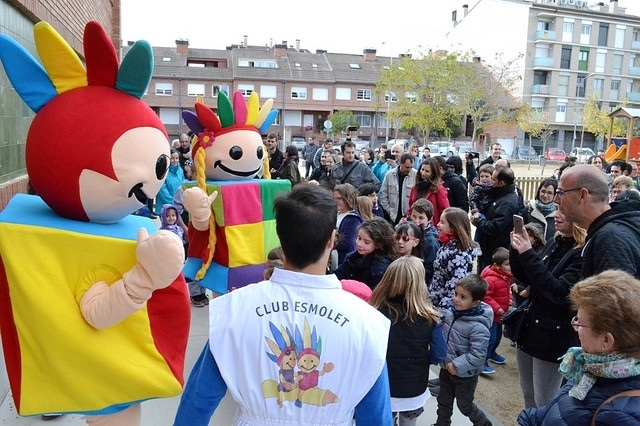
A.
pixel 498 296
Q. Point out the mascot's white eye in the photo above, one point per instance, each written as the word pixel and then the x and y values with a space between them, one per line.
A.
pixel 162 165
pixel 235 152
pixel 260 153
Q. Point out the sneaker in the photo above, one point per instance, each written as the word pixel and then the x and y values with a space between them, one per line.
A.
pixel 49 417
pixel 200 300
pixel 497 359
pixel 434 391
pixel 488 370
pixel 434 382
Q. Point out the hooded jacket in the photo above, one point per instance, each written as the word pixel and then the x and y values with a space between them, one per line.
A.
pixel 612 241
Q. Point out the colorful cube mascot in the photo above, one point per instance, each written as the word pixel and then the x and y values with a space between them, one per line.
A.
pixel 232 227
pixel 94 310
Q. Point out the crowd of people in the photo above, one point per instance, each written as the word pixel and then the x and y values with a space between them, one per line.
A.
pixel 401 230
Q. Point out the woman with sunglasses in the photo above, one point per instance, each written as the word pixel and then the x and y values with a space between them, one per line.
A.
pixel 603 373
pixel 546 334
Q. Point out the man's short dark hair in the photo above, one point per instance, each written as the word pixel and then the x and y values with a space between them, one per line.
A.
pixel 424 206
pixel 442 163
pixel 500 255
pixel 505 174
pixel 305 204
pixel 367 188
pixel 474 284
pixel 406 156
pixel 272 135
pixel 347 144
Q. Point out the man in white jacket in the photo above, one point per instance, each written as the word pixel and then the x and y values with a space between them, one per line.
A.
pixel 296 349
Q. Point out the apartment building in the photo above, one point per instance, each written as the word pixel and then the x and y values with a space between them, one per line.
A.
pixel 572 49
pixel 307 87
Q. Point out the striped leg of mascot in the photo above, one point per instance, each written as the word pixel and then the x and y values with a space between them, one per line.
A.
pixel 94 311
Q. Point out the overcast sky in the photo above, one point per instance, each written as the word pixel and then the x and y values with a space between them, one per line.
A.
pixel 338 26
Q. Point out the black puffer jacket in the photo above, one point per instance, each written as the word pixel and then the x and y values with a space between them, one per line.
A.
pixel 613 241
pixel 547 332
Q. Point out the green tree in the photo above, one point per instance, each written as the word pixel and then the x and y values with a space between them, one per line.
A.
pixel 340 120
pixel 482 91
pixel 536 123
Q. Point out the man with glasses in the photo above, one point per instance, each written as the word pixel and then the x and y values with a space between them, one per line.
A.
pixel 613 231
pixel 275 155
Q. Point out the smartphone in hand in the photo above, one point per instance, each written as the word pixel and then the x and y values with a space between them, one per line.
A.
pixel 388 155
pixel 518 224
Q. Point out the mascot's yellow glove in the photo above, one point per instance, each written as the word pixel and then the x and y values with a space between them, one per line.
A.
pixel 198 204
pixel 160 259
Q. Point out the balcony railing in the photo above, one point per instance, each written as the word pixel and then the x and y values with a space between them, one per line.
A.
pixel 635 45
pixel 545 35
pixel 633 97
pixel 543 62
pixel 634 71
pixel 540 89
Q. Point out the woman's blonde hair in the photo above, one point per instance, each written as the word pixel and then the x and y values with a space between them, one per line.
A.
pixel 348 194
pixel 365 207
pixel 612 300
pixel 404 279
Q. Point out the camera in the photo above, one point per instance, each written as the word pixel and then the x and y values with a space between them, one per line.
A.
pixel 472 154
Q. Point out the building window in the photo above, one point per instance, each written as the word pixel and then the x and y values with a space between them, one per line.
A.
pixel 343 93
pixel 297 64
pixel 615 90
pixel 217 88
pixel 250 63
pixel 616 66
pixel 314 65
pixel 363 94
pixel 412 96
pixel 565 57
pixel 619 41
pixel 268 91
pixel 581 82
pixel 164 89
pixel 390 97
pixel 598 83
pixel 585 34
pixel 298 93
pixel 603 34
pixel 563 85
pixel 583 58
pixel 561 112
pixel 601 60
pixel 169 115
pixel 195 89
pixel 320 94
pixel 354 66
pixel 544 25
pixel 567 32
pixel 166 59
pixel 246 89
pixel 363 118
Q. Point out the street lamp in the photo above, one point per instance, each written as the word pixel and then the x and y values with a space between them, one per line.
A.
pixel 386 131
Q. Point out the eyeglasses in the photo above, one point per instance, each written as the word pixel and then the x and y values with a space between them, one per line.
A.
pixel 576 325
pixel 405 238
pixel 561 192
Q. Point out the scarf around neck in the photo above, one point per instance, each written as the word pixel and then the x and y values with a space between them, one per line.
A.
pixel 583 369
pixel 546 209
pixel 473 312
pixel 446 237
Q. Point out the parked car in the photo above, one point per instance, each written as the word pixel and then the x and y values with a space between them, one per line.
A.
pixel 443 148
pixel 526 153
pixel 582 154
pixel 555 154
pixel 299 142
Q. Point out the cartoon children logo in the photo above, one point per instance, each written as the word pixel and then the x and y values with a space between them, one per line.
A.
pixel 304 352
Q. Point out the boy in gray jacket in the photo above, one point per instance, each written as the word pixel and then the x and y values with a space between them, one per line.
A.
pixel 466 329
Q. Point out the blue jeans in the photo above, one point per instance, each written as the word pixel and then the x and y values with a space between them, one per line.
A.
pixel 494 339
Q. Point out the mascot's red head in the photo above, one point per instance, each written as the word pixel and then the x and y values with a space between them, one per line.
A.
pixel 95 151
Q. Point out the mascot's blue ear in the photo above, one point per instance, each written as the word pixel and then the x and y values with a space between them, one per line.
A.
pixel 192 121
pixel 271 118
pixel 27 75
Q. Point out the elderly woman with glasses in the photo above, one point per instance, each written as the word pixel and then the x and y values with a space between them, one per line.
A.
pixel 546 334
pixel 540 210
pixel 603 373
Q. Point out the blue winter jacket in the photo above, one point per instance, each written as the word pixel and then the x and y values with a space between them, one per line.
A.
pixel 565 410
